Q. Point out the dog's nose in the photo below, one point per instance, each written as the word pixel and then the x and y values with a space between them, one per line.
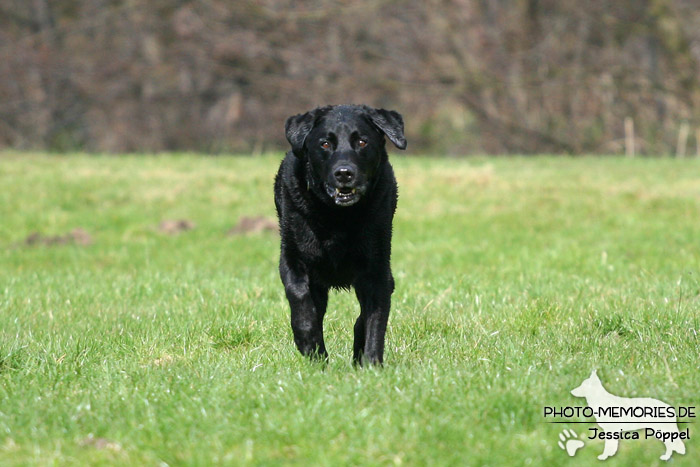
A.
pixel 344 174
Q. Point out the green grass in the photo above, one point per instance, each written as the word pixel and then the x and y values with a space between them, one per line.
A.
pixel 515 277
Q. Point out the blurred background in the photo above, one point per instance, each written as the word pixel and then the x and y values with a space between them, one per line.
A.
pixel 469 76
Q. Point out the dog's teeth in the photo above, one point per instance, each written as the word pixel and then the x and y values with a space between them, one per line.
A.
pixel 337 191
pixel 353 191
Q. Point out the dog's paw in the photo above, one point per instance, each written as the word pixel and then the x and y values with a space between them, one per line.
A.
pixel 569 442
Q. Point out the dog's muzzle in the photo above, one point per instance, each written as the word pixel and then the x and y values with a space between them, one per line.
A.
pixel 344 195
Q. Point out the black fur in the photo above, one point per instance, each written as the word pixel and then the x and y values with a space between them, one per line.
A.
pixel 335 195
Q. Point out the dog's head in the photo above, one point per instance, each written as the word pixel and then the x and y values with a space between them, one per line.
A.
pixel 344 147
pixel 588 386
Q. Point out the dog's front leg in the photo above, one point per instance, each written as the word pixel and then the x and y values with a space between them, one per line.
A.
pixel 609 449
pixel 375 301
pixel 308 305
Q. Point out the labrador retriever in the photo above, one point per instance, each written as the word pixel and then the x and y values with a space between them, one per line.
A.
pixel 335 194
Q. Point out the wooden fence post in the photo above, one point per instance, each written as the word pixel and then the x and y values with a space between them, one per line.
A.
pixel 629 137
pixel 682 139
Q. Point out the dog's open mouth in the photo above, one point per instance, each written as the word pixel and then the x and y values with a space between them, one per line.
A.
pixel 344 196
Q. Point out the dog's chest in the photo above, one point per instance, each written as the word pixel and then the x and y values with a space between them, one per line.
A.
pixel 339 258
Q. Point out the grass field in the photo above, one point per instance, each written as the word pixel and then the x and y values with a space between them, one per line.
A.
pixel 515 278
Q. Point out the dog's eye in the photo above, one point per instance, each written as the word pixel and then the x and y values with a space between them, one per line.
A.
pixel 326 145
pixel 362 143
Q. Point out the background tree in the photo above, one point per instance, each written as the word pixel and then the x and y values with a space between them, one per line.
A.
pixel 523 76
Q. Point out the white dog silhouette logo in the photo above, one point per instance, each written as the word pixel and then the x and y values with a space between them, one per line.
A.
pixel 616 415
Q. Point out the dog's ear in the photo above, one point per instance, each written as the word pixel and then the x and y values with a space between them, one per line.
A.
pixel 390 123
pixel 594 374
pixel 297 129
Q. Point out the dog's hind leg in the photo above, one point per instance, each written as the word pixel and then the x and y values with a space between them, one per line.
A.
pixel 359 343
pixel 667 455
pixel 673 446
pixel 610 448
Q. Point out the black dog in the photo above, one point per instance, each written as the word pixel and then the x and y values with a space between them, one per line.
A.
pixel 335 195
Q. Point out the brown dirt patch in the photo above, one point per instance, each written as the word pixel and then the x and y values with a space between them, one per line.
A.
pixel 76 237
pixel 176 226
pixel 256 224
pixel 100 443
